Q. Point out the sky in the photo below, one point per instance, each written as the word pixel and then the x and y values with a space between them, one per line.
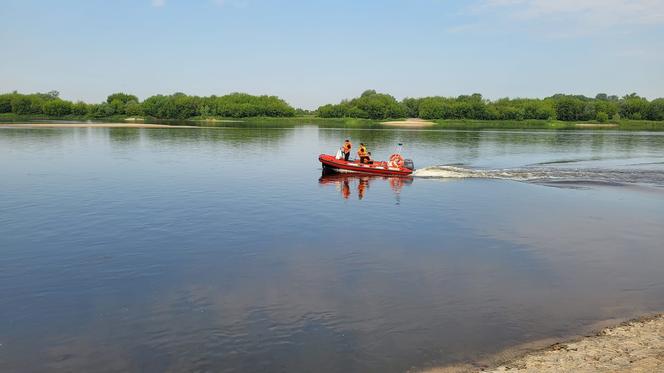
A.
pixel 316 52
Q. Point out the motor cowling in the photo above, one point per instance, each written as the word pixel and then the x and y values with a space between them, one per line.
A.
pixel 408 163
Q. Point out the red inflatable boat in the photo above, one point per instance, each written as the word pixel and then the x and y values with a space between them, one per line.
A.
pixel 397 166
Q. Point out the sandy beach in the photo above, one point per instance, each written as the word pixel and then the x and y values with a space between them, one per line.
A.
pixel 596 125
pixel 632 346
pixel 409 123
pixel 91 125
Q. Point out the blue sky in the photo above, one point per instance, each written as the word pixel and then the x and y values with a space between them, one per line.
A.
pixel 316 52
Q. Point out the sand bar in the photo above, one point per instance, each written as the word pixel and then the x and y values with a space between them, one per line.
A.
pixel 632 346
pixel 409 123
pixel 596 125
pixel 90 125
pixel 215 120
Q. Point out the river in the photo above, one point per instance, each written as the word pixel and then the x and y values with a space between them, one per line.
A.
pixel 225 249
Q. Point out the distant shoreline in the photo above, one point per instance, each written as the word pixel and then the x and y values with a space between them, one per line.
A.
pixel 90 125
pixel 636 345
pixel 278 122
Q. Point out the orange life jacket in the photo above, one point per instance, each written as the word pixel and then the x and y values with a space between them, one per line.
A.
pixel 347 146
pixel 362 152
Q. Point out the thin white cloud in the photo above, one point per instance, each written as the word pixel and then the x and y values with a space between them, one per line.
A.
pixel 158 3
pixel 233 3
pixel 575 17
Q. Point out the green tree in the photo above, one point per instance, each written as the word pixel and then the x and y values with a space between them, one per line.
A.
pixel 608 107
pixel 411 107
pixel 568 108
pixel 133 108
pixel 124 98
pixel 436 108
pixel 6 103
pixel 118 107
pixel 22 105
pixel 370 105
pixel 331 111
pixel 634 107
pixel 368 92
pixel 656 109
pixel 602 117
pixel 235 105
pixel 153 106
pixel 102 110
pixel 508 112
pixel 57 108
pixel 79 108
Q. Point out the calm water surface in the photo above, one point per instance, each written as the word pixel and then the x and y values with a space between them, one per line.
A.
pixel 225 250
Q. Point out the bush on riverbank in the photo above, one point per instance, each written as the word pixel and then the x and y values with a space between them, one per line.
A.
pixel 558 107
pixel 371 105
pixel 176 106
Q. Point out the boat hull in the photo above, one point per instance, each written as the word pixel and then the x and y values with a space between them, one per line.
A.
pixel 330 163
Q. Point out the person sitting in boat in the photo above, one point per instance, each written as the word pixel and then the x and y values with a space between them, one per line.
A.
pixel 345 148
pixel 363 154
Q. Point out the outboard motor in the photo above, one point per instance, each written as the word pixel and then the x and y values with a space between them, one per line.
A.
pixel 408 163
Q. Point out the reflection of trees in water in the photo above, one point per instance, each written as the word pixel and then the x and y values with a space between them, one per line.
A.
pixel 346 183
pixel 470 141
pixel 262 138
pixel 227 136
pixel 124 136
pixel 572 140
pixel 18 134
pixel 240 140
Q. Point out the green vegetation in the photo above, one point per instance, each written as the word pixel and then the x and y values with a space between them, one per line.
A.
pixel 370 105
pixel 176 106
pixel 602 108
pixel 466 111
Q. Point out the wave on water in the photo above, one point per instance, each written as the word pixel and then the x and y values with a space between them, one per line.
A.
pixel 646 164
pixel 563 161
pixel 547 175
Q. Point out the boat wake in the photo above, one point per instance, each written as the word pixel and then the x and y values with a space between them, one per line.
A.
pixel 548 175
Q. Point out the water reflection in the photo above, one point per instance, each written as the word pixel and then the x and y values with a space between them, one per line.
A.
pixel 215 249
pixel 349 184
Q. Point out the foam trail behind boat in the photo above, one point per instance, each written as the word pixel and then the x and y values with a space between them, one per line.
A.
pixel 455 172
pixel 547 175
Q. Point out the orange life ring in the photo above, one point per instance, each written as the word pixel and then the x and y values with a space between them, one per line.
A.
pixel 396 160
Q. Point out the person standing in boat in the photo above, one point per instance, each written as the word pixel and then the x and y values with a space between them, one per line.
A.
pixel 363 154
pixel 345 148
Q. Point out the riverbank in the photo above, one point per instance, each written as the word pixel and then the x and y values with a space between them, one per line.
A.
pixel 414 123
pixel 90 125
pixel 624 125
pixel 633 346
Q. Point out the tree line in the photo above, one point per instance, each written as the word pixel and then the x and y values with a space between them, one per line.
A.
pixel 373 105
pixel 369 105
pixel 175 106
